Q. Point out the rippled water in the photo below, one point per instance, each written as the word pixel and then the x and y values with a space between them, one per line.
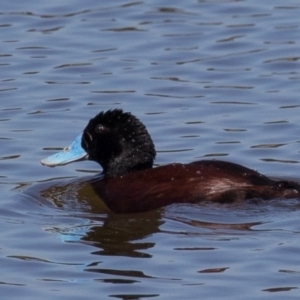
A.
pixel 209 79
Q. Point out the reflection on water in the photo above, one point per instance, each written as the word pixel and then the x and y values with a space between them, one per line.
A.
pixel 113 233
pixel 106 230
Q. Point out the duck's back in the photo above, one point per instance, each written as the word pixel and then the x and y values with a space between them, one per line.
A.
pixel 206 180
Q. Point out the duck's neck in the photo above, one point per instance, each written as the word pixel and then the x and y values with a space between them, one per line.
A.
pixel 136 159
pixel 118 170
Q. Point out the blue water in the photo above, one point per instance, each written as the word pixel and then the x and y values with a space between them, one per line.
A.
pixel 210 79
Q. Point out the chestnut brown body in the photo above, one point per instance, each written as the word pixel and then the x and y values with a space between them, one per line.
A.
pixel 207 180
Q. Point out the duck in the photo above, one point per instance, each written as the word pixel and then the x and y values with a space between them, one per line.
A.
pixel 129 183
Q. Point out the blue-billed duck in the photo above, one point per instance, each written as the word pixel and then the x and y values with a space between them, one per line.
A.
pixel 121 144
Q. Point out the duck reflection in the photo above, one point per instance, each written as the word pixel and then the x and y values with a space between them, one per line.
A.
pixel 113 234
pixel 117 234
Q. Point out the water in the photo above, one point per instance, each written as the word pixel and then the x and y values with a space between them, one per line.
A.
pixel 210 79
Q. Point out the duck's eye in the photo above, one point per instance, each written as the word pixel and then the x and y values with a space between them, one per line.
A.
pixel 99 128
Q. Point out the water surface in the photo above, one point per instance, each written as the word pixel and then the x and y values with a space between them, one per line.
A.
pixel 210 79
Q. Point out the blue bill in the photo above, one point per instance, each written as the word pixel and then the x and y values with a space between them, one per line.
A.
pixel 70 154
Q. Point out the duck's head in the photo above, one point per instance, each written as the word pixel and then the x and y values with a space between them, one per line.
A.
pixel 117 140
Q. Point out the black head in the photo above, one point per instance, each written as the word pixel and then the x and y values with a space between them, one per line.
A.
pixel 119 142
